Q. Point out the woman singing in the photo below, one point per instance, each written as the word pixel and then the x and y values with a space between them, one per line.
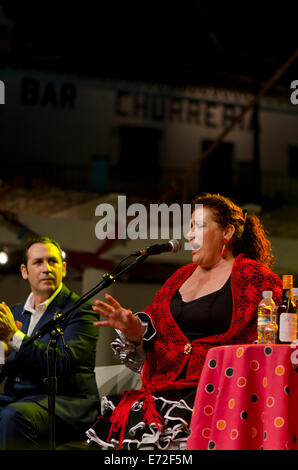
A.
pixel 209 302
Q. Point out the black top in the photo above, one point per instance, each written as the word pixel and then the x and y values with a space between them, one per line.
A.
pixel 208 315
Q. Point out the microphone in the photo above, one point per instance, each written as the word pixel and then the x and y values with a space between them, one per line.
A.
pixel 173 246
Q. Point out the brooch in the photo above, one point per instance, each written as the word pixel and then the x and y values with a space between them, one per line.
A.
pixel 187 348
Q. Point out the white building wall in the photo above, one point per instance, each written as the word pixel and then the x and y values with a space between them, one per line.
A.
pixel 279 131
pixel 55 132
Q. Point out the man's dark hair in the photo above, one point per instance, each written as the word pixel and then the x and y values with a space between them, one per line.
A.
pixel 43 240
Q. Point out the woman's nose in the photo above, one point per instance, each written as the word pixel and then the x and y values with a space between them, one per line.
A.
pixel 190 235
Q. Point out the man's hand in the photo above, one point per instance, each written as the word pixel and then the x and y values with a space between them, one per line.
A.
pixel 8 326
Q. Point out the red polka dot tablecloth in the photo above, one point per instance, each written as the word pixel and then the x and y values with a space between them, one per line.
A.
pixel 247 399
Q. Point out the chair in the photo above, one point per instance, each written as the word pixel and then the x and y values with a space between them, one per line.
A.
pixel 110 380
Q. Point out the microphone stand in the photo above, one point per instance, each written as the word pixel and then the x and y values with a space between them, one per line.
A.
pixel 53 327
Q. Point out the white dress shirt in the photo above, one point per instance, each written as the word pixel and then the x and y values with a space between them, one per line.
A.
pixel 36 314
pixel 2 354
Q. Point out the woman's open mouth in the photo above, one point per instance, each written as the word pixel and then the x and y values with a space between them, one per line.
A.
pixel 195 248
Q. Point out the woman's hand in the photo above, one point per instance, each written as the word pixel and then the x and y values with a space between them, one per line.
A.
pixel 119 318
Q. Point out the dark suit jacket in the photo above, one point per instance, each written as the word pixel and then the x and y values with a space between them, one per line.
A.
pixel 26 370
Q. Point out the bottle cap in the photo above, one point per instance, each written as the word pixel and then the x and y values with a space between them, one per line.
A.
pixel 267 294
pixel 287 281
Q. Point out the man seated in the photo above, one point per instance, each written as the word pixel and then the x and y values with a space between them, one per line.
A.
pixel 24 417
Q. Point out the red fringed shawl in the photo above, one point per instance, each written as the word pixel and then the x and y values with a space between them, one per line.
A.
pixel 173 352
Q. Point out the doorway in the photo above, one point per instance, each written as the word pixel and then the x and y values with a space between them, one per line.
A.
pixel 139 152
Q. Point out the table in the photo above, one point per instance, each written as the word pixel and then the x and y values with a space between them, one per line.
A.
pixel 247 399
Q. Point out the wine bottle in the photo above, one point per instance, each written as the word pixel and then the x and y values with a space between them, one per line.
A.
pixel 287 316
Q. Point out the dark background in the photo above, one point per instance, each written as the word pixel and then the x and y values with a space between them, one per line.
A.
pixel 189 42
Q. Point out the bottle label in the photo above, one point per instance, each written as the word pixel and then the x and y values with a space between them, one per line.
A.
pixel 288 327
pixel 264 318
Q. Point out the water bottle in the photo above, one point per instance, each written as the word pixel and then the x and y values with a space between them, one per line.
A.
pixel 295 297
pixel 270 328
pixel 266 314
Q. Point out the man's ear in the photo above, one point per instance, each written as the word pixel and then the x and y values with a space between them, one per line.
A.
pixel 24 272
pixel 64 269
